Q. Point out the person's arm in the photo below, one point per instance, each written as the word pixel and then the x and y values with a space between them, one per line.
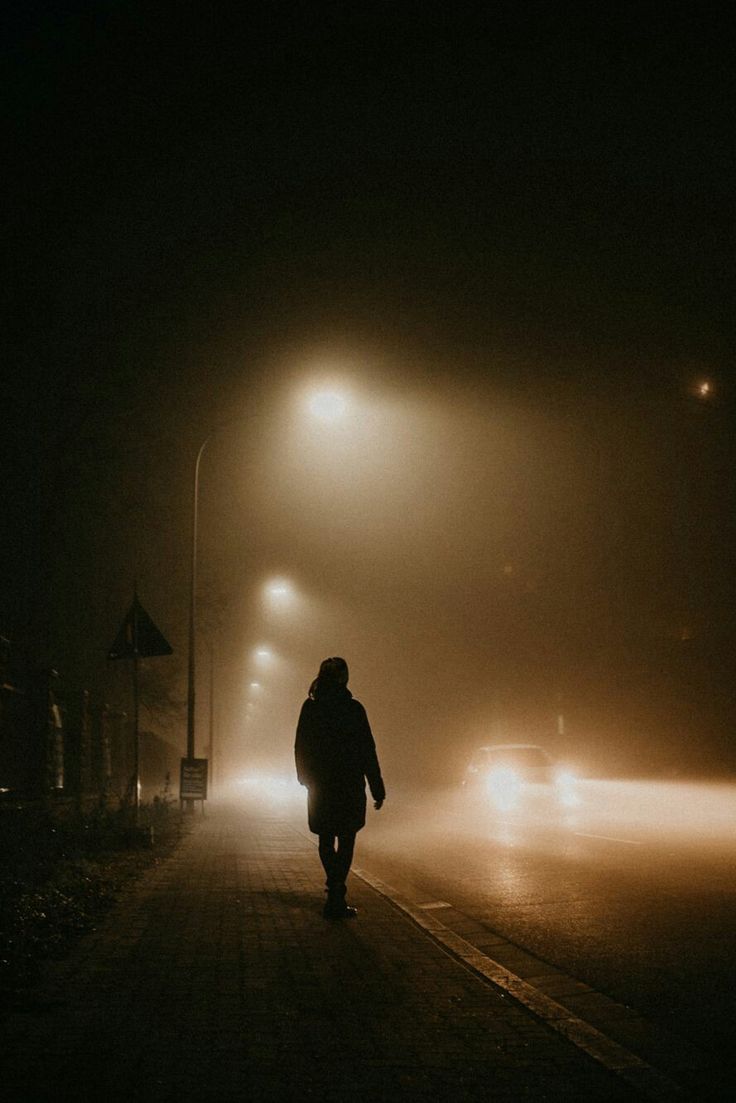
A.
pixel 301 745
pixel 371 768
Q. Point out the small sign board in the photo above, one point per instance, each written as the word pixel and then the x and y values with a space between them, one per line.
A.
pixel 193 779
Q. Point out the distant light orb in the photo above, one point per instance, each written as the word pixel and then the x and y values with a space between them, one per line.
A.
pixel 328 405
pixel 279 588
pixel 255 685
pixel 263 653
pixel 704 389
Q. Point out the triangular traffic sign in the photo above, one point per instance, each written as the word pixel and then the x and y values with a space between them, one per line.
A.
pixel 138 636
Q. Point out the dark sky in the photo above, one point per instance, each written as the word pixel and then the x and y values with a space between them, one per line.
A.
pixel 527 210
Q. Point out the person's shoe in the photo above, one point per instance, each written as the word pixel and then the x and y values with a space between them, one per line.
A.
pixel 339 910
pixel 335 907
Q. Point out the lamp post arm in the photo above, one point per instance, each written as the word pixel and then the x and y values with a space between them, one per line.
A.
pixel 192 665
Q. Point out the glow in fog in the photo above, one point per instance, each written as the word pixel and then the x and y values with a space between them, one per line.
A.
pixel 629 811
pixel 271 787
pixel 612 817
pixel 503 786
pixel 328 405
pixel 686 811
pixel 279 589
pixel 507 790
pixel 510 775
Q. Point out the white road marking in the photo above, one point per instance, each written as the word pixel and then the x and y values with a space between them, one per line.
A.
pixel 434 905
pixel 610 838
pixel 630 1067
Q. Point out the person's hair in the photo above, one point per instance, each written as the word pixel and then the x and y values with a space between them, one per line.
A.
pixel 333 675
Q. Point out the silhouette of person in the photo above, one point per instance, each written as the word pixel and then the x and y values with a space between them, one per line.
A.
pixel 335 754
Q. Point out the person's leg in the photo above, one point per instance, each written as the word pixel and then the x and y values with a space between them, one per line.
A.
pixel 328 857
pixel 336 908
pixel 344 857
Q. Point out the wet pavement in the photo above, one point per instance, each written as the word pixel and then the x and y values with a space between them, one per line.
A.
pixel 216 978
pixel 631 892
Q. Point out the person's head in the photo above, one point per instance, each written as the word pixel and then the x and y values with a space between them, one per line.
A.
pixel 333 675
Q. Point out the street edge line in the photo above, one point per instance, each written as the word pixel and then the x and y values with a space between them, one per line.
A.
pixel 614 1057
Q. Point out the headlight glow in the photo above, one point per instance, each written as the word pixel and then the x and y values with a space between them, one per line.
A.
pixel 503 785
pixel 566 785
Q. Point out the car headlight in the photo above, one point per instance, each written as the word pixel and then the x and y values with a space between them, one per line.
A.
pixel 503 785
pixel 566 785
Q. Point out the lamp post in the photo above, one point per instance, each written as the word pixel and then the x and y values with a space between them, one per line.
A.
pixel 192 661
pixel 212 721
pixel 326 405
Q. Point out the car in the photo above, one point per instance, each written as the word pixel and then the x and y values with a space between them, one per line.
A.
pixel 512 774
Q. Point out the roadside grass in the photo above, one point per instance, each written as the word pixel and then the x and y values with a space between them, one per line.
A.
pixel 59 877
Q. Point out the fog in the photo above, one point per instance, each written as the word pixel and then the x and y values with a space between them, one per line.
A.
pixel 618 815
pixel 497 562
pixel 502 549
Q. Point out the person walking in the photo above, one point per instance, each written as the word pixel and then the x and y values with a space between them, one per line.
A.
pixel 335 753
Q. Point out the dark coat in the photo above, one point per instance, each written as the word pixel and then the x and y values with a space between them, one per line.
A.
pixel 335 754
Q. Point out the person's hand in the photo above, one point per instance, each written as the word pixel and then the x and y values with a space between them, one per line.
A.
pixel 377 804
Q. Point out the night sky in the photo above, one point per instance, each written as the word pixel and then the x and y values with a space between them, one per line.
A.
pixel 512 231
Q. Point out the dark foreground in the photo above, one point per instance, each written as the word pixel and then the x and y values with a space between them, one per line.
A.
pixel 216 978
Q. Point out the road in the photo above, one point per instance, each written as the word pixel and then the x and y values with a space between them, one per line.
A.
pixel 631 892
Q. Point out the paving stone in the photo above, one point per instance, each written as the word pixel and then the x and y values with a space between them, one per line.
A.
pixel 216 978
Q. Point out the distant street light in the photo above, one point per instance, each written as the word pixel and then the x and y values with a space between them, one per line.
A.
pixel 280 590
pixel 704 389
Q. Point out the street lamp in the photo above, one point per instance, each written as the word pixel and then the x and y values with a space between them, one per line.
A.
pixel 191 666
pixel 327 405
pixel 279 589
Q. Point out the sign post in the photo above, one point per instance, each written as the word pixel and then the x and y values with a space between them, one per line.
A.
pixel 193 780
pixel 137 638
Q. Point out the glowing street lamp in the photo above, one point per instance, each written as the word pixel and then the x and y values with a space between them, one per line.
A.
pixel 328 405
pixel 279 591
pixel 703 389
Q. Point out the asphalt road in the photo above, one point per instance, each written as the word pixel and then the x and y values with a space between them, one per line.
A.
pixel 632 892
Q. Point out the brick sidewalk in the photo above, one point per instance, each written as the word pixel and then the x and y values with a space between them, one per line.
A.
pixel 216 978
